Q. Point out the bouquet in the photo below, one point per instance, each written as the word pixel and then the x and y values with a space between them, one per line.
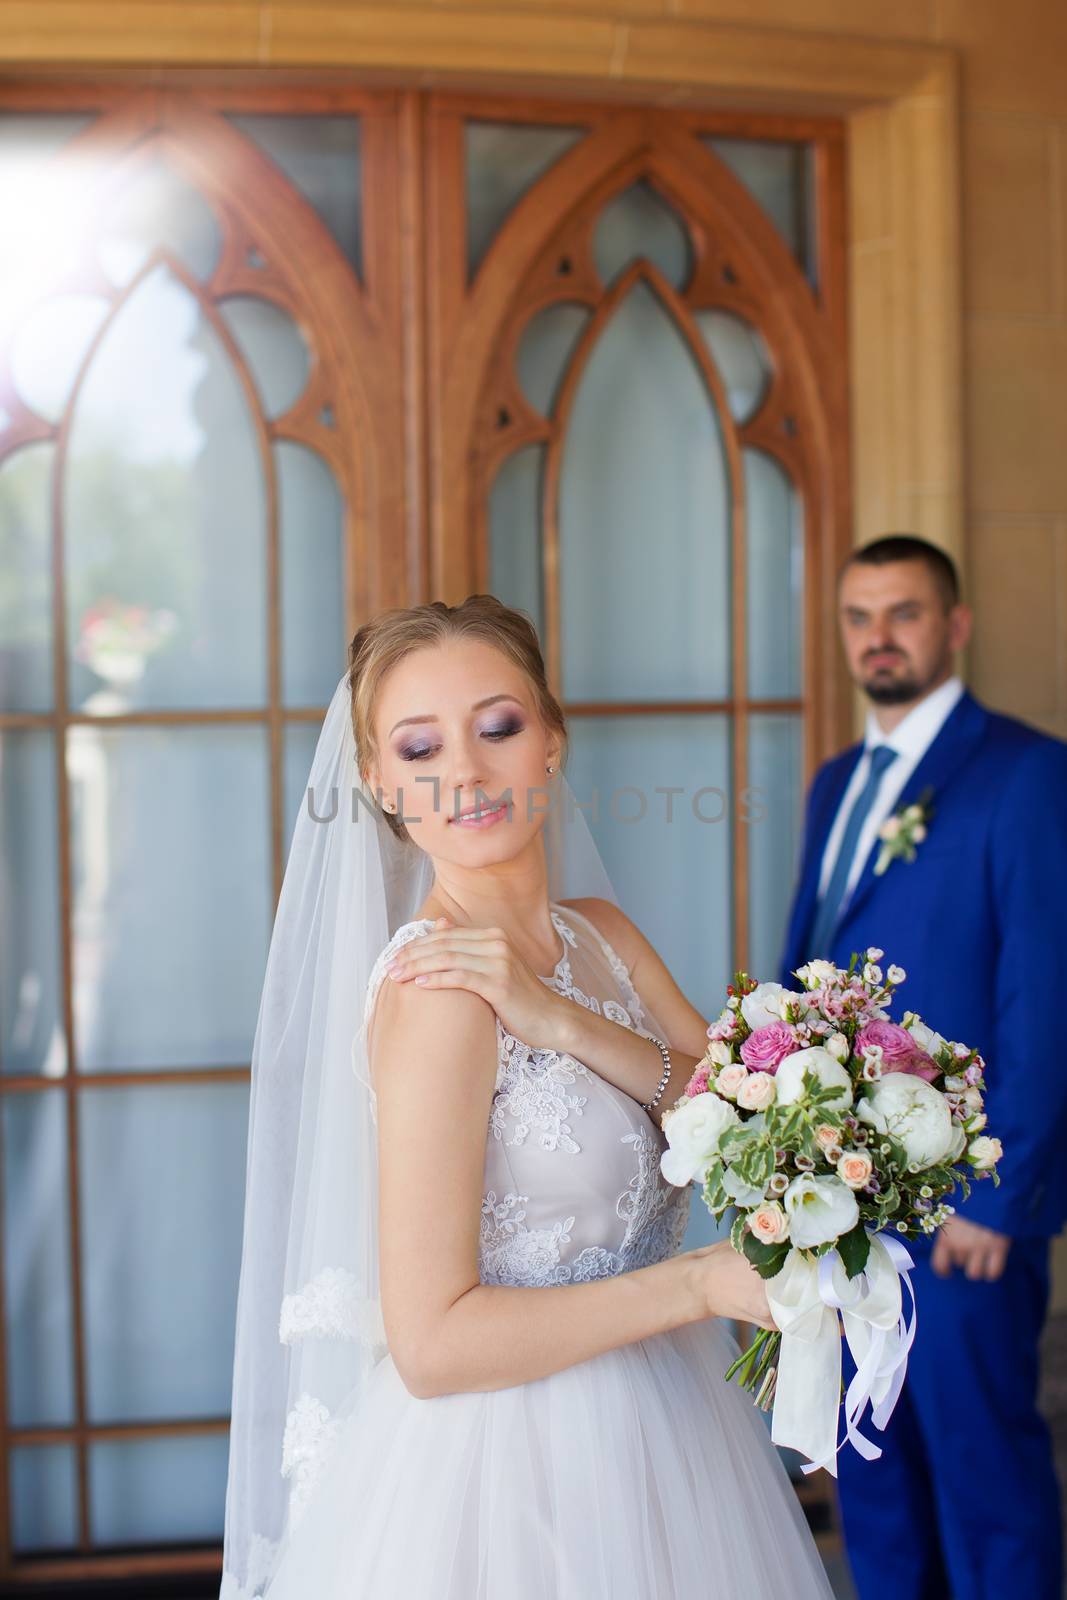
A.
pixel 832 1133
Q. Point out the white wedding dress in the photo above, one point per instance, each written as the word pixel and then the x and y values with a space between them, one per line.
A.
pixel 637 1475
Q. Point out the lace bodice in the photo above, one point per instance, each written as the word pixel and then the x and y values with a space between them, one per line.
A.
pixel 572 1188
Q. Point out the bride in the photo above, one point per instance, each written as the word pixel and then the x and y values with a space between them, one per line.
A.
pixel 471 1363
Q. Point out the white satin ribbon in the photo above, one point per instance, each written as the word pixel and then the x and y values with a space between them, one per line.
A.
pixel 806 1298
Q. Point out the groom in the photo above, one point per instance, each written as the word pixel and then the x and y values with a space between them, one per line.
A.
pixel 964 1500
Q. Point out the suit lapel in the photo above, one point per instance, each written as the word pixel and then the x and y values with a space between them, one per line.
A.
pixel 962 731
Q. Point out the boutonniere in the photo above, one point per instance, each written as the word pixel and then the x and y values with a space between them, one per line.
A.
pixel 904 831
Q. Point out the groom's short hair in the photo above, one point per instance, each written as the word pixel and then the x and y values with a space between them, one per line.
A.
pixel 909 547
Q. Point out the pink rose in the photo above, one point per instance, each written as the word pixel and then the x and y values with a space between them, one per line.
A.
pixel 766 1047
pixel 900 1053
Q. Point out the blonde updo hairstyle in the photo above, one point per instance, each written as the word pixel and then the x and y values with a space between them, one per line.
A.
pixel 380 644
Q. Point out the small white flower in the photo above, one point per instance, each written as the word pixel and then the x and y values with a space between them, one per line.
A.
pixel 872 1069
pixel 838 1047
pixel 890 828
pixel 976 1123
pixel 960 1051
pixel 872 974
pixel 918 832
pixel 720 1053
pixel 954 1085
pixel 874 954
pixel 896 974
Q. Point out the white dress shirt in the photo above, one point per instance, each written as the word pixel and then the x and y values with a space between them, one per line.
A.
pixel 911 739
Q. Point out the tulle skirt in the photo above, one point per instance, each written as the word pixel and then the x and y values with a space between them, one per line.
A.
pixel 637 1475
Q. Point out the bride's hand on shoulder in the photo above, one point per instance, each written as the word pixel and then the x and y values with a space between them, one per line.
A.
pixel 484 961
pixel 730 1284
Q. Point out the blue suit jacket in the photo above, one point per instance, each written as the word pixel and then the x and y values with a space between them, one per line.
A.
pixel 979 923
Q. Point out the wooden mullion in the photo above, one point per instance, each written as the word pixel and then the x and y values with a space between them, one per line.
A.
pixel 116 1078
pixel 169 1427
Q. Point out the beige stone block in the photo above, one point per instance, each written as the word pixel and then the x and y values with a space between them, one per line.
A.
pixel 441 38
pixel 868 176
pixel 883 19
pixel 1015 55
pixel 193 33
pixel 1013 589
pixel 872 393
pixel 1009 216
pixel 1017 406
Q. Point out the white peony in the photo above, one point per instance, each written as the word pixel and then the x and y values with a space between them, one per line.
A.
pixel 789 1078
pixel 913 1111
pixel 764 1004
pixel 693 1131
pixel 926 1038
pixel 819 1209
pixel 959 1142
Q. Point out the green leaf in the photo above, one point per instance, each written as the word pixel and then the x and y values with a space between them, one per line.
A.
pixel 738 1233
pixel 767 1259
pixel 854 1247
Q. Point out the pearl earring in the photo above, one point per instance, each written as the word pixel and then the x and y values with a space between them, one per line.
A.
pixel 550 769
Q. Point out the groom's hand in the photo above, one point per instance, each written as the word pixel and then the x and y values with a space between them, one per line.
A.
pixel 980 1251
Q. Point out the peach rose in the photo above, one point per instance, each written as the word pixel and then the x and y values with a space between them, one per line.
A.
pixel 757 1092
pixel 730 1080
pixel 826 1137
pixel 769 1223
pixel 855 1168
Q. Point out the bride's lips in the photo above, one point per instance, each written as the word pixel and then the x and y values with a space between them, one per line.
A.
pixel 485 817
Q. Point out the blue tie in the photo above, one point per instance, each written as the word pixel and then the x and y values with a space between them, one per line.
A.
pixel 830 905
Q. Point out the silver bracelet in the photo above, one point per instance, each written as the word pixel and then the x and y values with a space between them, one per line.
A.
pixel 650 1105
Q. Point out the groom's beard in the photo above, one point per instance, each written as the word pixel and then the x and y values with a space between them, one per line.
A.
pixel 886 688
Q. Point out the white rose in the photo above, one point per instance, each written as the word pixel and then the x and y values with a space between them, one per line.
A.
pixel 762 1005
pixel 984 1152
pixel 838 1047
pixel 976 1123
pixel 693 1131
pixel 819 1209
pixel 817 972
pixel 789 1079
pixel 911 1110
pixel 720 1053
pixel 973 1097
pixel 757 1092
pixel 769 1224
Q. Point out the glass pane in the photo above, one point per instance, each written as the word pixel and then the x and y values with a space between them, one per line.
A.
pixel 273 347
pixel 779 177
pixel 299 751
pixel 321 158
pixel 504 160
pixel 548 342
pixel 640 224
pixel 740 358
pixel 44 1512
pixel 775 578
pixel 165 511
pixel 515 548
pixel 147 1491
pixel 644 514
pixel 31 1010
pixel 171 893
pixel 161 1186
pixel 672 876
pixel 37 1297
pixel 28 142
pixel 311 535
pixel 159 211
pixel 26 579
pixel 773 805
pixel 49 347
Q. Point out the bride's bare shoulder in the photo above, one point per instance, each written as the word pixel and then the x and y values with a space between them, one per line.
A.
pixel 420 1031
